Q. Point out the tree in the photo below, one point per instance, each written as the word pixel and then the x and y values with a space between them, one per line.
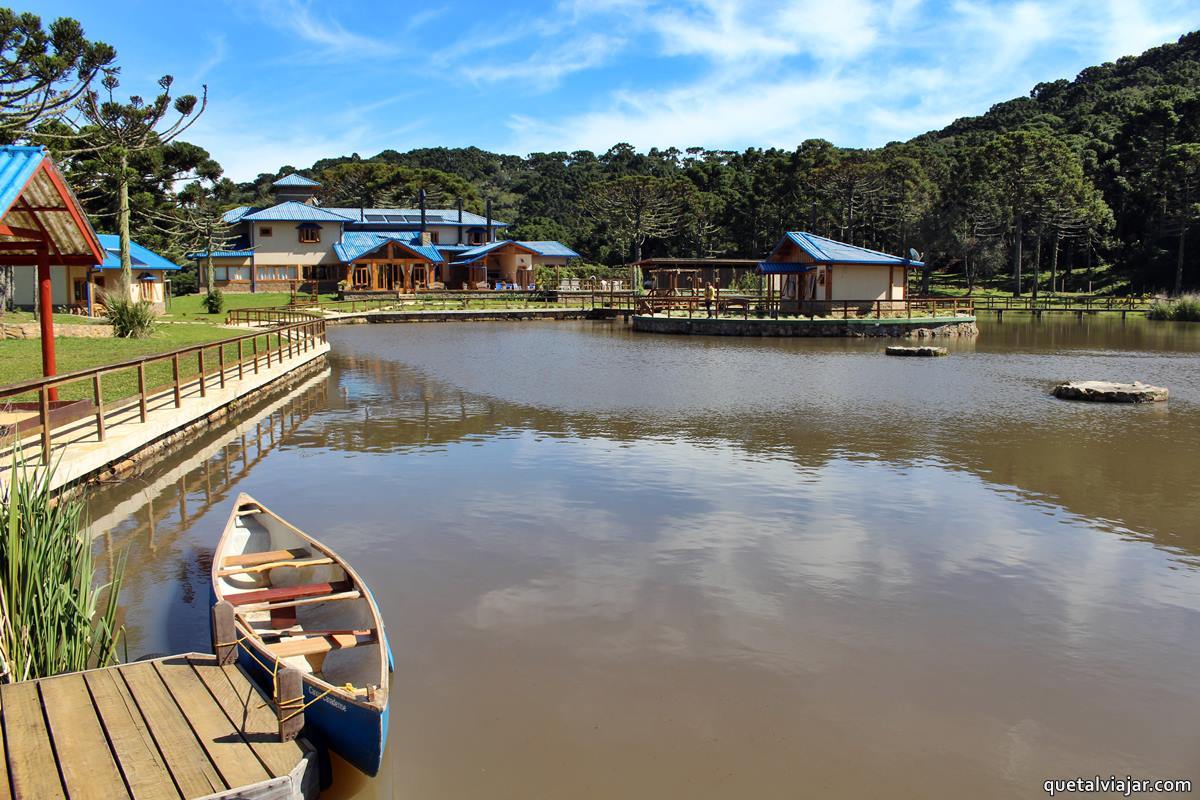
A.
pixel 43 73
pixel 1031 174
pixel 636 208
pixel 116 132
pixel 848 185
pixel 197 223
pixel 1183 174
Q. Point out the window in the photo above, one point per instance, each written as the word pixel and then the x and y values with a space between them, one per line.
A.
pixel 265 231
pixel 433 236
pixel 310 235
pixel 476 237
pixel 276 273
pixel 231 273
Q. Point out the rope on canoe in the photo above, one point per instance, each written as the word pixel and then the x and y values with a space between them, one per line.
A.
pixel 294 704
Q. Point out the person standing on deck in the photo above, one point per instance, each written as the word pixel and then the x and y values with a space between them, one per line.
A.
pixel 709 294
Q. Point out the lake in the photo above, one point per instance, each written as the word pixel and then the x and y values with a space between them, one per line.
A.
pixel 623 565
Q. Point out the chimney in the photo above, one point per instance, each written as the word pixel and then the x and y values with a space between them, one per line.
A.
pixel 460 220
pixel 426 237
pixel 489 220
pixel 421 202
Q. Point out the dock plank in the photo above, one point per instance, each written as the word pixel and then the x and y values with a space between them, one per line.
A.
pixel 137 755
pixel 88 768
pixel 31 764
pixel 218 735
pixel 186 759
pixel 5 789
pixel 249 709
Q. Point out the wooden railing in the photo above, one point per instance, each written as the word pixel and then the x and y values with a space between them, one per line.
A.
pixel 215 363
pixel 270 315
pixel 746 306
pixel 1063 303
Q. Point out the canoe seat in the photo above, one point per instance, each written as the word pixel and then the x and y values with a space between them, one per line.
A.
pixel 313 645
pixel 266 557
pixel 287 593
pixel 294 563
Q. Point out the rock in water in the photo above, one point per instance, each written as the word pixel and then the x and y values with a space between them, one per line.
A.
pixel 900 350
pixel 1106 392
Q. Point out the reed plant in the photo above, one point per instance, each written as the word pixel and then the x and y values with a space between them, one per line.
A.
pixel 130 319
pixel 53 616
pixel 1185 308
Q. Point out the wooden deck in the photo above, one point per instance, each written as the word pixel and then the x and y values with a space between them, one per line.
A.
pixel 176 727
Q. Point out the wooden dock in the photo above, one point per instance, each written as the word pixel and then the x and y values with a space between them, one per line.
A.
pixel 176 727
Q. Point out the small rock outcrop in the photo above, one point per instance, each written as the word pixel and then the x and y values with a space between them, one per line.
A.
pixel 1107 392
pixel 928 352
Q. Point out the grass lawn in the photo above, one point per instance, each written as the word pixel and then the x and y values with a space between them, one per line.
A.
pixel 21 359
pixel 22 317
pixel 190 307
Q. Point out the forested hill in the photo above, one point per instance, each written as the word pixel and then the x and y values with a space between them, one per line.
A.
pixel 1091 177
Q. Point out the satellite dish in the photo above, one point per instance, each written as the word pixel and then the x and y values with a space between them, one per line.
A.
pixel 913 255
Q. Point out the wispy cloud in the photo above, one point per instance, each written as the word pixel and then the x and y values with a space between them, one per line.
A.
pixel 321 29
pixel 545 69
pixel 215 58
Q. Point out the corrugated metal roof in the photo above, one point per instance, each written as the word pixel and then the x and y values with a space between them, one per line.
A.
pixel 142 257
pixel 17 165
pixel 551 248
pixel 292 211
pixel 295 180
pixel 29 173
pixel 830 251
pixel 235 214
pixel 356 244
pixel 478 253
pixel 783 268
pixel 442 217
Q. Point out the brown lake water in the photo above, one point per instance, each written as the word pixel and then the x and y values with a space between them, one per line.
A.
pixel 621 565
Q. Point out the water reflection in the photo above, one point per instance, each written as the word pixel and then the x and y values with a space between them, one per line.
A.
pixel 618 565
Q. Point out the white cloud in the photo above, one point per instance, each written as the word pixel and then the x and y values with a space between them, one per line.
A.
pixel 321 30
pixel 546 68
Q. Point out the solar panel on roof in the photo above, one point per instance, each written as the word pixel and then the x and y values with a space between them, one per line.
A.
pixel 396 218
pixel 376 218
pixel 412 217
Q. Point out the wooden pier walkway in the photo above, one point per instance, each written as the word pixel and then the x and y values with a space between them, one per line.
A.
pixel 176 727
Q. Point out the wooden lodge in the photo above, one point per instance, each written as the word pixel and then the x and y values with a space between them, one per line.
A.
pixel 298 245
pixel 808 273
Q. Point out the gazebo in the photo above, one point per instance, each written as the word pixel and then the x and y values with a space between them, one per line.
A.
pixel 42 225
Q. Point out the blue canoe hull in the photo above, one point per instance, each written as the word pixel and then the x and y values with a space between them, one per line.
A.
pixel 355 732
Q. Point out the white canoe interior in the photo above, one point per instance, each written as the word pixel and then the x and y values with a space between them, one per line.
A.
pixel 305 605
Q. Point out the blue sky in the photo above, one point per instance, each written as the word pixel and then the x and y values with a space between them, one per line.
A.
pixel 291 81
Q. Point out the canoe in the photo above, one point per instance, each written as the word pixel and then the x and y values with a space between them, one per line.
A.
pixel 299 604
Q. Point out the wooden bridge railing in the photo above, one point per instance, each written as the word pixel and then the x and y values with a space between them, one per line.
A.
pixel 1063 303
pixel 762 305
pixel 215 364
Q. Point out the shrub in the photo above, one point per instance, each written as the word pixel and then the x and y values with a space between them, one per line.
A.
pixel 214 301
pixel 130 319
pixel 53 618
pixel 1185 308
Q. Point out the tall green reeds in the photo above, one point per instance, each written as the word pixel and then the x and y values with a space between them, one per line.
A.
pixel 53 617
pixel 1185 308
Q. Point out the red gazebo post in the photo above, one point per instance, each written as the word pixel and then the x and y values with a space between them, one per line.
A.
pixel 46 315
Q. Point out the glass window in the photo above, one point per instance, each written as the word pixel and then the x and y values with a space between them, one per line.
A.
pixel 265 230
pixel 310 235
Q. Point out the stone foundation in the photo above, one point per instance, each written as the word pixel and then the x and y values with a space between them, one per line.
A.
pixel 927 328
pixel 32 330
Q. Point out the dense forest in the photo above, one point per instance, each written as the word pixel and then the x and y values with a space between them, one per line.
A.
pixel 1086 183
pixel 1094 177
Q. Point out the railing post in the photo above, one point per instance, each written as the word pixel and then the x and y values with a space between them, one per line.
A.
pixel 98 391
pixel 224 633
pixel 254 350
pixel 142 389
pixel 200 367
pixel 175 375
pixel 44 418
pixel 289 703
pixel 221 362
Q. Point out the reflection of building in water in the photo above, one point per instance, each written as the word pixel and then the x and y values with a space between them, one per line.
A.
pixel 189 484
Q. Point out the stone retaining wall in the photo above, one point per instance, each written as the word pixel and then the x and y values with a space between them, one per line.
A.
pixel 31 330
pixel 932 327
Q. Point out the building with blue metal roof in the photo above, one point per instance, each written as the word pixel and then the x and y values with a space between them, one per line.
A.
pixel 811 273
pixel 298 244
pixel 83 288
